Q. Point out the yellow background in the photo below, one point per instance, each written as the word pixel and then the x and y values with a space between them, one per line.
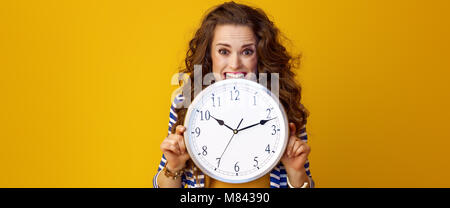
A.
pixel 85 89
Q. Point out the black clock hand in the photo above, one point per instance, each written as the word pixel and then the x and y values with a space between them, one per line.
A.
pixel 222 123
pixel 262 122
pixel 234 133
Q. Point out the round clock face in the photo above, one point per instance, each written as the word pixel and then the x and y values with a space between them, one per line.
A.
pixel 236 131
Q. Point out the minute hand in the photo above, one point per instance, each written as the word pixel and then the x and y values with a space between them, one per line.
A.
pixel 262 122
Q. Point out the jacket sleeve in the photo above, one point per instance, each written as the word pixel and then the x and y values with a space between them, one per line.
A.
pixel 172 119
pixel 304 137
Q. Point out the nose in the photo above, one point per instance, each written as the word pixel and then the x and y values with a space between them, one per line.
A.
pixel 234 62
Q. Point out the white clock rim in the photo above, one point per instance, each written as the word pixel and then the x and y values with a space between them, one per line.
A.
pixel 197 99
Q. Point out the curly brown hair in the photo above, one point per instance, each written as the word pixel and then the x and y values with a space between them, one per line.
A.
pixel 272 56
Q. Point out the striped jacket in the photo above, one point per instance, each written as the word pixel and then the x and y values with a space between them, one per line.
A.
pixel 278 175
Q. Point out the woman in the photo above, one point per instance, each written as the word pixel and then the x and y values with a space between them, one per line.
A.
pixel 234 41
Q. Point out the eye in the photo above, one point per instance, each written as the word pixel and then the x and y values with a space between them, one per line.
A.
pixel 223 51
pixel 247 52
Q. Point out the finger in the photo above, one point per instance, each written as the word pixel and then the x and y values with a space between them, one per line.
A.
pixel 170 145
pixel 178 138
pixel 290 146
pixel 180 130
pixel 301 149
pixel 297 145
pixel 168 148
pixel 175 149
pixel 181 144
pixel 171 140
pixel 306 149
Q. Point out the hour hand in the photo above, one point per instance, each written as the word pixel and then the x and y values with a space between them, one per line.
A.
pixel 222 123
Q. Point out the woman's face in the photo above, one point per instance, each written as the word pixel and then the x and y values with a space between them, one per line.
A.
pixel 233 52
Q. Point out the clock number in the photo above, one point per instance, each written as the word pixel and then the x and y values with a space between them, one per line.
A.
pixel 235 92
pixel 207 115
pixel 254 99
pixel 197 131
pixel 204 153
pixel 254 159
pixel 274 130
pixel 236 167
pixel 218 161
pixel 214 103
pixel 268 148
pixel 268 112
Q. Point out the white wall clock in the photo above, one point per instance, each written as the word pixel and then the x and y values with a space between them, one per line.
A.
pixel 236 131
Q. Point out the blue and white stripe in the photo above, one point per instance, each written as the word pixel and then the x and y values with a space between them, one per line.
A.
pixel 278 176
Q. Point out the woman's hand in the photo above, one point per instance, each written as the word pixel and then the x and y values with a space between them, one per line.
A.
pixel 295 157
pixel 174 150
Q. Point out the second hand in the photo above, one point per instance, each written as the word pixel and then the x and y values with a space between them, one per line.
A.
pixel 234 133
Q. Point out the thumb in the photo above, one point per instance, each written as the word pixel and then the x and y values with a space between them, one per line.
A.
pixel 292 129
pixel 180 130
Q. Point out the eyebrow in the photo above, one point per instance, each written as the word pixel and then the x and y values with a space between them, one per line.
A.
pixel 227 45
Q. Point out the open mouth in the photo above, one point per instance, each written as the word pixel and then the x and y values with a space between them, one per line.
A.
pixel 234 75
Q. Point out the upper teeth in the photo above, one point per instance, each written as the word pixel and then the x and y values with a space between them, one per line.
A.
pixel 236 75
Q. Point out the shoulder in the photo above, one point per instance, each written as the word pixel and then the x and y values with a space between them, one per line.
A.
pixel 177 100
